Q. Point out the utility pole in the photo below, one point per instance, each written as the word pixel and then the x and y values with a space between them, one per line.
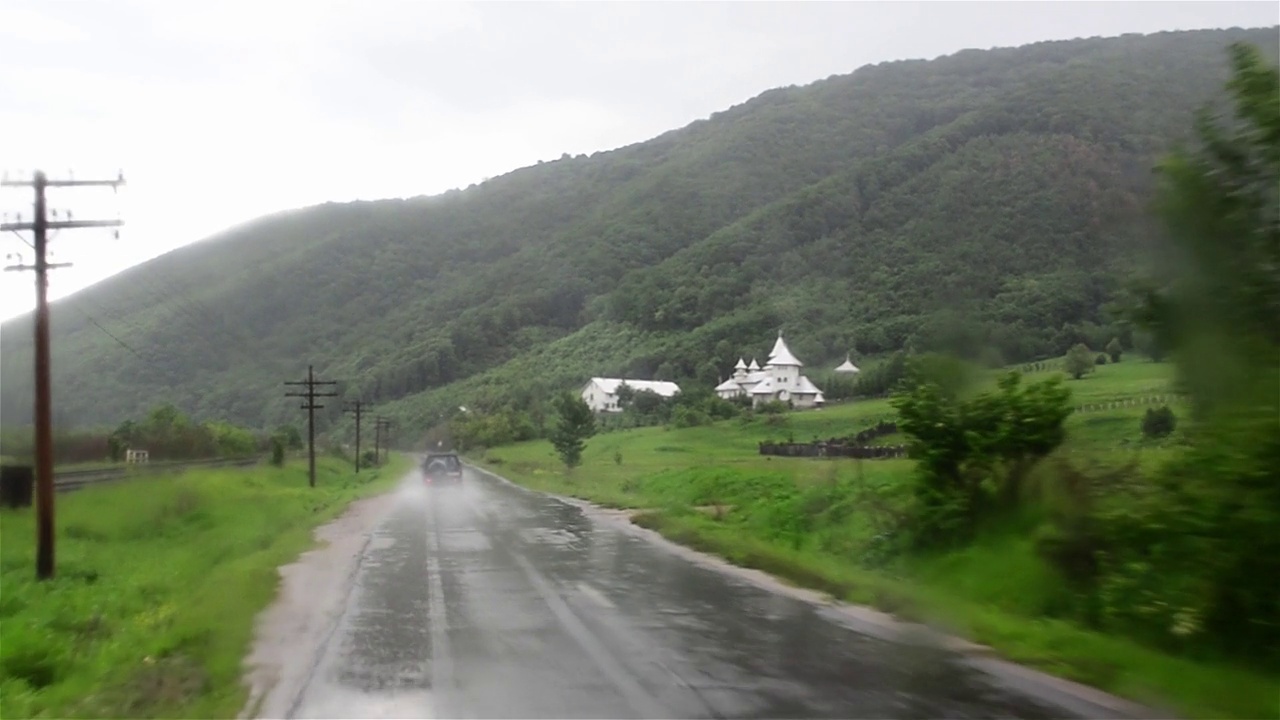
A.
pixel 381 426
pixel 310 394
pixel 356 406
pixel 41 225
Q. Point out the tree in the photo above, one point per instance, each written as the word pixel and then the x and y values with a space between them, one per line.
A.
pixel 574 424
pixel 1079 361
pixel 973 454
pixel 289 436
pixel 1217 295
pixel 1194 552
pixel 626 394
pixel 1114 349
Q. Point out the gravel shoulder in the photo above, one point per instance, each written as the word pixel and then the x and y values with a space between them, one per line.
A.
pixel 290 634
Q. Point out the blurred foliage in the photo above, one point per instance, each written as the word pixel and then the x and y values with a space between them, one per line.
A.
pixel 1187 557
pixel 972 453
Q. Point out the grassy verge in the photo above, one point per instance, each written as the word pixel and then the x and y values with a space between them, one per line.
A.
pixel 159 581
pixel 813 522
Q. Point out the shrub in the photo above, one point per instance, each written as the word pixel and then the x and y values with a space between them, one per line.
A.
pixel 277 451
pixel 1158 422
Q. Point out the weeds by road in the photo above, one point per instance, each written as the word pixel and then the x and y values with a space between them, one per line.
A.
pixel 159 581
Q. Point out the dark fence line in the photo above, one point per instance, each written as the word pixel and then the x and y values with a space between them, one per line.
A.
pixel 854 446
pixel 861 452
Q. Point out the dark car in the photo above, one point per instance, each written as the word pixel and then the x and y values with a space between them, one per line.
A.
pixel 441 468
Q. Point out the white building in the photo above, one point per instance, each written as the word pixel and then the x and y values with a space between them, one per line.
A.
pixel 601 394
pixel 779 379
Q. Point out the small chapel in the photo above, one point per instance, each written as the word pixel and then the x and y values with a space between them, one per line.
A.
pixel 780 379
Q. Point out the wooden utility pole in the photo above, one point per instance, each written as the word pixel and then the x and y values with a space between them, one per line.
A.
pixel 310 406
pixel 41 225
pixel 381 426
pixel 357 407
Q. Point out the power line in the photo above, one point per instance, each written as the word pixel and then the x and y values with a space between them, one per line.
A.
pixel 109 334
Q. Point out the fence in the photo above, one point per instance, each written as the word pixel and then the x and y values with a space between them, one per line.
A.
pixel 1126 403
pixel 75 479
pixel 853 446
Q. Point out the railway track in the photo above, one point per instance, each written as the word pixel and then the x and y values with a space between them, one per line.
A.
pixel 68 480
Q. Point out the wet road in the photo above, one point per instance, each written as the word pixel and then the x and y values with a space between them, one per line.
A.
pixel 488 601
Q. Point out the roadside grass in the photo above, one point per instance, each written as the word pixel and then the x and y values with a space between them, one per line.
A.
pixel 816 523
pixel 159 580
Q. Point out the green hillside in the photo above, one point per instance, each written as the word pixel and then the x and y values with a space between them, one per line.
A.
pixel 870 210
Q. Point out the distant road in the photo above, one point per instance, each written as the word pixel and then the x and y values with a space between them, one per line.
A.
pixel 489 601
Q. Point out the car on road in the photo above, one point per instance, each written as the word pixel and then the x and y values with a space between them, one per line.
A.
pixel 442 468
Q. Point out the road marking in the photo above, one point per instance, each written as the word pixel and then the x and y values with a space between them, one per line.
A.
pixel 443 682
pixel 632 691
pixel 595 595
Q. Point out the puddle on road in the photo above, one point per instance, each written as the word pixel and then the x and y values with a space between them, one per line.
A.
pixel 548 536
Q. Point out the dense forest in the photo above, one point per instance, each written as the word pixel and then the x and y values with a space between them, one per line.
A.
pixel 987 203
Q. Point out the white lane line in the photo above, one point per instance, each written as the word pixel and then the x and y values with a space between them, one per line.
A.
pixel 443 682
pixel 632 691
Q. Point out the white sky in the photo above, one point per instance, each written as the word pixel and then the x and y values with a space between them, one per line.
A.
pixel 219 111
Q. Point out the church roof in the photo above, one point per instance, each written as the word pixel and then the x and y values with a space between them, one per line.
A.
pixel 847 366
pixel 754 365
pixel 778 347
pixel 742 365
pixel 729 384
pixel 804 386
pixel 764 387
pixel 783 356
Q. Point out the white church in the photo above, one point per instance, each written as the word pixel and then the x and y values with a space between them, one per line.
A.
pixel 779 379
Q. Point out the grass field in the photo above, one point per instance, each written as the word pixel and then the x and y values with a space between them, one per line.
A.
pixel 815 522
pixel 158 584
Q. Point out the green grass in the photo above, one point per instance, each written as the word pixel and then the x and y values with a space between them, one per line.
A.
pixel 806 521
pixel 159 580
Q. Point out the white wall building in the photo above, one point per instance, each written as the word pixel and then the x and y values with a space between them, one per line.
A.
pixel 779 379
pixel 601 394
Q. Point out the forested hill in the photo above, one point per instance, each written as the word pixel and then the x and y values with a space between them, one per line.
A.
pixel 866 208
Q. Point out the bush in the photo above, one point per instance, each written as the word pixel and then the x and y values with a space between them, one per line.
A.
pixel 685 417
pixel 277 451
pixel 773 407
pixel 1158 422
pixel 1101 359
pixel 1115 349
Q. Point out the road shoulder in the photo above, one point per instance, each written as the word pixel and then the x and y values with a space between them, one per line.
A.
pixel 290 633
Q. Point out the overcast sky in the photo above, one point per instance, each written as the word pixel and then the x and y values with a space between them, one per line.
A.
pixel 222 110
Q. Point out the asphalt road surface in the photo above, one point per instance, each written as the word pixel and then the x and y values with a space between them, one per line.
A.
pixel 488 601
